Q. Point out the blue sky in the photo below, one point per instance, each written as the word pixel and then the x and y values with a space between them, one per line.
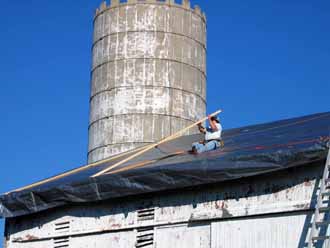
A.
pixel 267 60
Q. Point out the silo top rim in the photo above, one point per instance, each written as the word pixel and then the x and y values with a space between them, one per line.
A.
pixel 184 5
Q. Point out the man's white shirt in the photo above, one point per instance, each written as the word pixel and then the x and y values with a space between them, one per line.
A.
pixel 214 135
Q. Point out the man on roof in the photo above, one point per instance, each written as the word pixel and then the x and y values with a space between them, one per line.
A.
pixel 212 139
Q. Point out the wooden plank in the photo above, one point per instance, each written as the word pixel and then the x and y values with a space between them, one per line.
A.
pixel 51 179
pixel 133 166
pixel 144 163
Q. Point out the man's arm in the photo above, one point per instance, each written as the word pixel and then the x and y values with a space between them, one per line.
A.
pixel 212 124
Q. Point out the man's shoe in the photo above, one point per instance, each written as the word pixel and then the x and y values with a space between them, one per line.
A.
pixel 193 151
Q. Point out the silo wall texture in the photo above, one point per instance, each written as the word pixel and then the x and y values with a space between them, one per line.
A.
pixel 148 74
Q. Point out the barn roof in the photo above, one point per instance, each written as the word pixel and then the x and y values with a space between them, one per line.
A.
pixel 248 151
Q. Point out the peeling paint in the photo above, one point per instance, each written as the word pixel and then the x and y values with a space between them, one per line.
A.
pixel 115 226
pixel 302 206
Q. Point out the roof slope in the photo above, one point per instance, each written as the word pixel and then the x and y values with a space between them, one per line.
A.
pixel 248 151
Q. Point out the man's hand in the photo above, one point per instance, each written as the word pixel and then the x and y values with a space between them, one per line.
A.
pixel 201 128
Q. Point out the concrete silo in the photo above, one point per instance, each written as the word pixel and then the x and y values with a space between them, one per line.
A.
pixel 148 73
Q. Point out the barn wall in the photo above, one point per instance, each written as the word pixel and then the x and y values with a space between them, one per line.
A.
pixel 271 231
pixel 183 236
pixel 204 216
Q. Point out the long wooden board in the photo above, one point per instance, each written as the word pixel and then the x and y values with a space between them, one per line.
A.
pixel 144 163
pixel 51 179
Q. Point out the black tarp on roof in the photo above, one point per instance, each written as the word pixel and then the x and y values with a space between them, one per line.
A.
pixel 248 151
